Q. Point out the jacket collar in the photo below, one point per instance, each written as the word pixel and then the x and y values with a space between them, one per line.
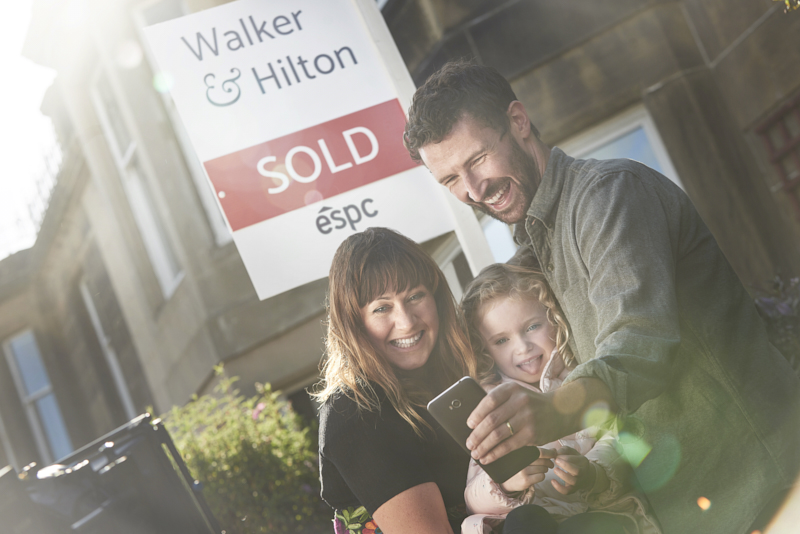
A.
pixel 544 206
pixel 547 382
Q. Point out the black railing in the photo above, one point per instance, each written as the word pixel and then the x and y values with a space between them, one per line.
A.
pixel 130 481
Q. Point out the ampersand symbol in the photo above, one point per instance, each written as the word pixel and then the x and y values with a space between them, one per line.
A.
pixel 226 87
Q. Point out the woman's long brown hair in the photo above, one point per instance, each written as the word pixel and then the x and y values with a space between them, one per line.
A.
pixel 366 265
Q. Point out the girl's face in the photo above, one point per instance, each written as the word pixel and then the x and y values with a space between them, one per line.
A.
pixel 403 327
pixel 518 337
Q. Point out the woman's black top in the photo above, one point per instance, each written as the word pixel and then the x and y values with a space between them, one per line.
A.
pixel 368 458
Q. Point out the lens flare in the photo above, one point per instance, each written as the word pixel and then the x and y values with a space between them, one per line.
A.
pixel 312 196
pixel 75 14
pixel 597 415
pixel 703 503
pixel 634 448
pixel 661 463
pixel 163 82
pixel 631 440
pixel 129 55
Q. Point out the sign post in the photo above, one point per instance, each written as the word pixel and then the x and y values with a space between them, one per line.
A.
pixel 296 110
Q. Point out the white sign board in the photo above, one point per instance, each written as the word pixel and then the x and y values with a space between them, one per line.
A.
pixel 298 123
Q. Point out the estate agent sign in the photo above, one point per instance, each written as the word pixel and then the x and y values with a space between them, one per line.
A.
pixel 298 122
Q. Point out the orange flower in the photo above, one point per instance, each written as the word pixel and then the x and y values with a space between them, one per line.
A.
pixel 369 528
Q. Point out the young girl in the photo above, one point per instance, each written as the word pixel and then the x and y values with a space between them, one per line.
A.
pixel 520 335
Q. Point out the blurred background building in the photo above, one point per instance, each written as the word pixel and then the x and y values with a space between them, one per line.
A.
pixel 134 291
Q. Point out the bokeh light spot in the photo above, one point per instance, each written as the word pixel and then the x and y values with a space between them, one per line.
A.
pixel 634 448
pixel 596 415
pixel 221 194
pixel 703 503
pixel 661 463
pixel 312 196
pixel 163 82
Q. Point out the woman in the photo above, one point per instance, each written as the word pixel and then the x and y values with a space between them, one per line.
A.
pixel 393 343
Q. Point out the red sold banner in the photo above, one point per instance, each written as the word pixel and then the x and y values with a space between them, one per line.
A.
pixel 308 166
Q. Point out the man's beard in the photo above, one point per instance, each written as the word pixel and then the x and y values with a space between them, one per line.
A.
pixel 524 168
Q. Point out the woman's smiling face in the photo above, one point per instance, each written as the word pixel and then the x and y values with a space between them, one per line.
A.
pixel 403 327
pixel 518 337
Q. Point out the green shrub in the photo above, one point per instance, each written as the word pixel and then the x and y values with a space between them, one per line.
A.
pixel 255 458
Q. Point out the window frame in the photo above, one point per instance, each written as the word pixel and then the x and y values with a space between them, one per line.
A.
pixel 149 220
pixel 589 140
pixel 109 353
pixel 487 220
pixel 8 449
pixel 791 149
pixel 444 256
pixel 29 401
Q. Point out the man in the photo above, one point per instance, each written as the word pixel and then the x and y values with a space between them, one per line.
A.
pixel 666 336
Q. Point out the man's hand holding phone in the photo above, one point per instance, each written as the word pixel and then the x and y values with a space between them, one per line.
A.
pixel 451 409
pixel 530 414
pixel 536 418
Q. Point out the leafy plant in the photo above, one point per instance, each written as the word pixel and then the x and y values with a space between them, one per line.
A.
pixel 790 5
pixel 356 521
pixel 780 308
pixel 256 460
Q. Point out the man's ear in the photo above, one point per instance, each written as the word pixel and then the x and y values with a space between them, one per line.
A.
pixel 518 120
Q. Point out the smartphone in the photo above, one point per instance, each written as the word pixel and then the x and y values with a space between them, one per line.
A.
pixel 452 408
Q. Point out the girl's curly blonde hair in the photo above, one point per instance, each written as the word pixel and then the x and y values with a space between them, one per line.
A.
pixel 517 282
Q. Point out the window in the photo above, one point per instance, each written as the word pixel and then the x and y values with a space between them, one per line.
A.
pixel 500 239
pixel 108 352
pixel 630 135
pixel 36 393
pixel 136 186
pixel 453 263
pixel 8 450
pixel 781 135
pixel 152 12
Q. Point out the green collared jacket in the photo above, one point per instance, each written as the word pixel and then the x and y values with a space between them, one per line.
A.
pixel 658 314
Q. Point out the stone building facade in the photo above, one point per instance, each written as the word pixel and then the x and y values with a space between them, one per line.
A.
pixel 714 82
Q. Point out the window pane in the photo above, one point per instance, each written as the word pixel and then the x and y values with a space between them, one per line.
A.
pixel 162 256
pixel 54 427
pixel 121 136
pixel 29 362
pixel 500 240
pixel 790 166
pixel 776 137
pixel 632 145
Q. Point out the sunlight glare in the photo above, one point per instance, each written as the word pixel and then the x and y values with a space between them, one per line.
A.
pixel 129 55
pixel 26 135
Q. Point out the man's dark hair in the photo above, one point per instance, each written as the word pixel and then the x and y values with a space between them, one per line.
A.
pixel 458 88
